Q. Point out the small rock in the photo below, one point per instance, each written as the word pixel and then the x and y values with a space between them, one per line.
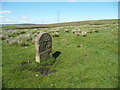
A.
pixel 51 84
pixel 36 75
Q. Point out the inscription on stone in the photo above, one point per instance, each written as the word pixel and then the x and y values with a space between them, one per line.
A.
pixel 43 45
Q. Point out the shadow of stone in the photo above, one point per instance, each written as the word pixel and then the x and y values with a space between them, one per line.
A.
pixel 44 69
pixel 56 54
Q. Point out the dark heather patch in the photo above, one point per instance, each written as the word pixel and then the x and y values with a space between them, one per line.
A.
pixel 44 71
pixel 24 63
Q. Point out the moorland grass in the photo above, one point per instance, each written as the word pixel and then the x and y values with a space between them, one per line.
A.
pixel 84 62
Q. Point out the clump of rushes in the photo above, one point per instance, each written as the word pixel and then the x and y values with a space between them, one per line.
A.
pixel 96 31
pixel 66 30
pixel 77 33
pixel 28 37
pixel 90 31
pixel 56 34
pixel 23 43
pixel 13 41
pixel 3 37
pixel 84 34
pixel 33 41
pixel 78 45
pixel 78 30
pixel 57 30
pixel 22 32
pixel 73 31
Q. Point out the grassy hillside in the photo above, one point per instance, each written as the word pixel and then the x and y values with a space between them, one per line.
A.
pixel 85 62
pixel 77 23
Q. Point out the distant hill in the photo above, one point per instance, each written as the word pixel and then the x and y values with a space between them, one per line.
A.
pixel 26 24
pixel 91 22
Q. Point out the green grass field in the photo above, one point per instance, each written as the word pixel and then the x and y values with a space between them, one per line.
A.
pixel 84 62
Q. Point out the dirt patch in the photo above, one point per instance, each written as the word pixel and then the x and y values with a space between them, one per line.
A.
pixel 86 56
pixel 24 63
pixel 44 71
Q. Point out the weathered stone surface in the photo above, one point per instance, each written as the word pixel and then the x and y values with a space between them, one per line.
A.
pixel 43 45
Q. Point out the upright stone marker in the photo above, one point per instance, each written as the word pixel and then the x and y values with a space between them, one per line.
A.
pixel 43 45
